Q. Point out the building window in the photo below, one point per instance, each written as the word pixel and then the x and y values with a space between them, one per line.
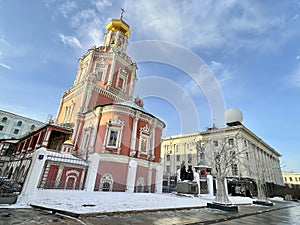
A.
pixel 189 158
pixel 106 182
pixel 291 179
pixel 189 146
pixel 122 79
pixel 16 131
pixel 178 158
pixel 177 168
pixel 231 141
pixel 216 143
pixel 19 123
pixel 112 138
pixel 234 170
pixel 32 127
pixel 245 143
pixel 100 71
pixel 247 155
pixel 4 119
pixel 285 179
pixel 114 133
pixel 1 127
pixel 176 148
pixel 168 169
pixel 140 185
pixel 168 157
pixel 296 179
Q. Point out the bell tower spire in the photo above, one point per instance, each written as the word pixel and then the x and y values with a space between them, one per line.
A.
pixel 105 75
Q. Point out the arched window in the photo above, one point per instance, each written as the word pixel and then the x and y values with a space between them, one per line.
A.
pixel 4 119
pixel 19 123
pixel 106 182
pixel 140 185
pixel 32 127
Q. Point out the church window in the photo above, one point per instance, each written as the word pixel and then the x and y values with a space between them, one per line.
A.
pixel 19 123
pixel 144 142
pixel 231 141
pixel 168 169
pixel 291 179
pixel 140 185
pixel 1 127
pixel 114 129
pixel 16 131
pixel 113 137
pixel 100 71
pixel 4 119
pixel 106 182
pixel 190 158
pixel 122 79
pixel 178 158
pixel 32 127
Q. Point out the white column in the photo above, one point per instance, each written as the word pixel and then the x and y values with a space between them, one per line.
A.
pixel 94 160
pixel 133 135
pixel 131 176
pixel 210 186
pixel 158 179
pixel 58 176
pixel 197 179
pixel 33 177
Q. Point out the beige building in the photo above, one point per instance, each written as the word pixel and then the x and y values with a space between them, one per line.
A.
pixel 291 178
pixel 251 157
pixel 14 126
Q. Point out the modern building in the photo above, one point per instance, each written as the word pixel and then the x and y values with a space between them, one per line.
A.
pixel 14 126
pixel 291 178
pixel 249 157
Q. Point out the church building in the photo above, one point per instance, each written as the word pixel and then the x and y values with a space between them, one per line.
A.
pixel 111 128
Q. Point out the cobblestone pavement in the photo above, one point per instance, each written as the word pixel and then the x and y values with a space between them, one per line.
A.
pixel 280 213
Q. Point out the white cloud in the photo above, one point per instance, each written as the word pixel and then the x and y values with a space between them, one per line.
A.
pixel 205 23
pixel 5 66
pixel 67 8
pixel 71 41
pixel 101 4
pixel 222 73
pixel 298 57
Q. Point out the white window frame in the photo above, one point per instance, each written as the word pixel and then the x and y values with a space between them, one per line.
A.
pixel 106 178
pixel 113 125
pixel 123 75
pixel 100 67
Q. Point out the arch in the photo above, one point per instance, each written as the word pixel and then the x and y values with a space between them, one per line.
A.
pixel 19 123
pixel 106 182
pixel 140 184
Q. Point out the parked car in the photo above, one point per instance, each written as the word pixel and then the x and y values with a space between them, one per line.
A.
pixel 9 186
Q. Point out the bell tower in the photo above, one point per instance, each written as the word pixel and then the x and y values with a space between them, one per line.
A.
pixel 105 74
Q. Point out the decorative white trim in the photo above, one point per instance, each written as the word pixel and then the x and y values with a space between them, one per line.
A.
pixel 140 184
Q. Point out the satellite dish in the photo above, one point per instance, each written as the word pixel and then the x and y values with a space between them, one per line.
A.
pixel 233 117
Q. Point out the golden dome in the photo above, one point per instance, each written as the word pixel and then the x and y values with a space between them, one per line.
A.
pixel 119 25
pixel 69 142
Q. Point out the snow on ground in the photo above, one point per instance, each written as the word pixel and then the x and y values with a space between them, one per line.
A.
pixel 101 202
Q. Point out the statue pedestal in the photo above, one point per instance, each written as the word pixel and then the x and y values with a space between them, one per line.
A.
pixel 187 187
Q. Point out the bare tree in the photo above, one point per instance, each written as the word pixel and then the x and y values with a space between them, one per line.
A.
pixel 223 158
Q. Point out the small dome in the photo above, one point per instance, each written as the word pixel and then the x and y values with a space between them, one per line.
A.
pixel 233 117
pixel 68 142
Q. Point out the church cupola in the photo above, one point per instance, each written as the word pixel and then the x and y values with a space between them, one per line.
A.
pixel 118 34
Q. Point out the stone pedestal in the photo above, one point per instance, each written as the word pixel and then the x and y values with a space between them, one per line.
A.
pixel 187 187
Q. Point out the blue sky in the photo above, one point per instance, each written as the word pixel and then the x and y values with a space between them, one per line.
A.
pixel 252 48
